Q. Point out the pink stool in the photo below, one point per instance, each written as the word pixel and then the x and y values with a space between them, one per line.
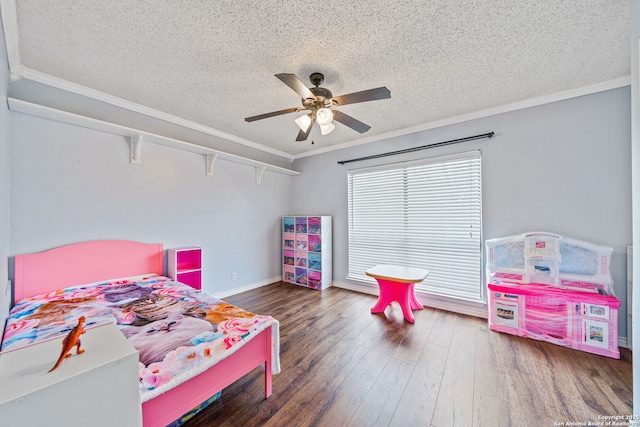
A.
pixel 397 284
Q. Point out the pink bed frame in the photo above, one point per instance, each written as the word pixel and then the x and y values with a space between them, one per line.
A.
pixel 99 260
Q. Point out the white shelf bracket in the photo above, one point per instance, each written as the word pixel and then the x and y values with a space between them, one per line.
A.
pixel 134 153
pixel 131 135
pixel 211 159
pixel 259 172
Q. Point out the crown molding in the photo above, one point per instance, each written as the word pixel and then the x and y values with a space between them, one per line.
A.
pixel 19 71
pixel 532 102
pixel 10 28
pixel 58 83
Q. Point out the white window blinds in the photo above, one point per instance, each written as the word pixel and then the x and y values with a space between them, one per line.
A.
pixel 426 214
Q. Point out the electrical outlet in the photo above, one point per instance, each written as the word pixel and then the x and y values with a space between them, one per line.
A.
pixel 233 277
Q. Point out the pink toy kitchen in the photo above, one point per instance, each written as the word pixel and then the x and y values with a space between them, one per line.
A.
pixel 553 288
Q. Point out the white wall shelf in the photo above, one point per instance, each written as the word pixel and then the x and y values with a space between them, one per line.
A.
pixel 137 137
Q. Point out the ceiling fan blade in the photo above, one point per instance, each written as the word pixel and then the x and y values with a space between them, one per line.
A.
pixel 365 95
pixel 347 120
pixel 272 114
pixel 296 84
pixel 303 135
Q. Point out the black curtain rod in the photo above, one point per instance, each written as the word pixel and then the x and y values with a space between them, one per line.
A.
pixel 422 147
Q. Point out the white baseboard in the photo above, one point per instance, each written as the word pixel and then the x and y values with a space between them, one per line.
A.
pixel 470 308
pixel 364 288
pixel 622 342
pixel 246 288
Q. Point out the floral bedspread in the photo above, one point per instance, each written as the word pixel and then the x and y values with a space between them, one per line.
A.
pixel 177 330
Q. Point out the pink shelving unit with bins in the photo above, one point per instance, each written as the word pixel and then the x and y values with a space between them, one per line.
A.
pixel 185 265
pixel 306 251
pixel 553 288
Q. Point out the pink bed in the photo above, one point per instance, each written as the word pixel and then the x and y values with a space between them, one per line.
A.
pixel 96 261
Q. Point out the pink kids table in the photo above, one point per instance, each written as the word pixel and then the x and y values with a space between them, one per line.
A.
pixel 397 284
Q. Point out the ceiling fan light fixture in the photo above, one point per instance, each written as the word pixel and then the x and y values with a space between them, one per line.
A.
pixel 318 101
pixel 324 116
pixel 326 129
pixel 304 122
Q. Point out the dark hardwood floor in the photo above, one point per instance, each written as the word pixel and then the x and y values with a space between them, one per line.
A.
pixel 343 366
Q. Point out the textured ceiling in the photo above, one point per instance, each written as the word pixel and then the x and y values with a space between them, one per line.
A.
pixel 213 62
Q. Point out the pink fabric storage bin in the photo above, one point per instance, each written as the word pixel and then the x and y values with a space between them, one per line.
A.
pixel 288 258
pixel 289 241
pixel 289 274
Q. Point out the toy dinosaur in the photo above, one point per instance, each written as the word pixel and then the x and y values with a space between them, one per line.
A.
pixel 71 340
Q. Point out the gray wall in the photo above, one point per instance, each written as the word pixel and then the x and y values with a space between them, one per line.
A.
pixel 562 167
pixel 71 184
pixel 4 178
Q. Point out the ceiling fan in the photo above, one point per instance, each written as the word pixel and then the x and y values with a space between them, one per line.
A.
pixel 319 101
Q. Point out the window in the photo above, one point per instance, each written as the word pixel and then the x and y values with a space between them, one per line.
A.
pixel 425 213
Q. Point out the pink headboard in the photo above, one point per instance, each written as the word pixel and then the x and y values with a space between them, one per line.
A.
pixel 85 262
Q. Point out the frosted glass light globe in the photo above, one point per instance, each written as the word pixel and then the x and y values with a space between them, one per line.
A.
pixel 303 122
pixel 324 116
pixel 326 129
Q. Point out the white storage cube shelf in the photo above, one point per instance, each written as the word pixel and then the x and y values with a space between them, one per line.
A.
pixel 185 265
pixel 306 251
